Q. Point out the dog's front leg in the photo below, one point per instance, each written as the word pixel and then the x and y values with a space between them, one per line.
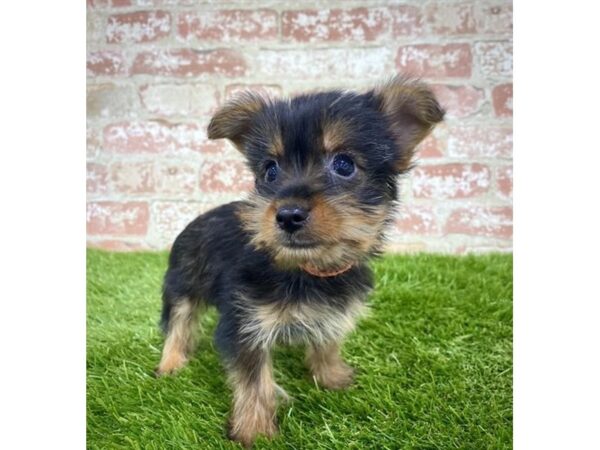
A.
pixel 327 366
pixel 254 404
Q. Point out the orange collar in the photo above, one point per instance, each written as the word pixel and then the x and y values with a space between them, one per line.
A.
pixel 314 271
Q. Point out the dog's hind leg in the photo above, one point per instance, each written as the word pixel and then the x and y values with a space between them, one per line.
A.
pixel 179 321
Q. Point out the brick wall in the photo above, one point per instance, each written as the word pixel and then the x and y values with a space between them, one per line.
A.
pixel 158 69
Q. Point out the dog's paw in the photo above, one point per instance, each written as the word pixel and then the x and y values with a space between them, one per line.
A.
pixel 171 364
pixel 335 377
pixel 246 435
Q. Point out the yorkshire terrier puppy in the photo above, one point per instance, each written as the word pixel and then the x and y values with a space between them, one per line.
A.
pixel 290 264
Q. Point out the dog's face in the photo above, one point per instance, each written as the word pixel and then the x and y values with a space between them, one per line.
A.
pixel 326 167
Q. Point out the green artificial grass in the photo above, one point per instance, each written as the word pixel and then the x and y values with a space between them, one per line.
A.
pixel 434 363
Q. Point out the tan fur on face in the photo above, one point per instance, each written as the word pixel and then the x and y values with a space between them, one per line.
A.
pixel 181 338
pixel 325 218
pixel 346 233
pixel 327 366
pixel 254 405
pixel 276 145
pixel 335 135
pixel 259 219
pixel 308 323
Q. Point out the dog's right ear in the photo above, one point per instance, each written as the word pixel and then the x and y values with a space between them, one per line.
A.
pixel 233 120
pixel 412 112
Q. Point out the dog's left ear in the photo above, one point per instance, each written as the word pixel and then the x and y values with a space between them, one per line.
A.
pixel 233 120
pixel 412 112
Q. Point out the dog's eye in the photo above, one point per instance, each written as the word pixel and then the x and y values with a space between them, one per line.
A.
pixel 271 171
pixel 343 165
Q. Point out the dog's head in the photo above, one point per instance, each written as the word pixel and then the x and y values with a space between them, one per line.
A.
pixel 326 166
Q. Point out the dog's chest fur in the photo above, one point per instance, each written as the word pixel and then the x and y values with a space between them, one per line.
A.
pixel 297 323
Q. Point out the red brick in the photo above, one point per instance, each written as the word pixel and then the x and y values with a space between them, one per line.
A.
pixel 105 63
pixel 228 25
pixel 170 218
pixel 324 63
pixel 450 19
pixel 504 180
pixel 338 25
pixel 502 97
pixel 96 178
pixel 174 3
pixel 156 136
pixel 179 99
pixel 225 176
pixel 139 26
pixel 416 220
pixel 432 60
pixel 189 63
pixel 117 218
pixel 97 3
pixel 219 147
pixel 495 58
pixel 459 101
pixel 450 181
pixel 177 178
pixel 270 90
pixel 133 177
pixel 481 221
pixel 480 141
pixel 431 147
pixel 121 3
pixel 494 19
pixel 407 20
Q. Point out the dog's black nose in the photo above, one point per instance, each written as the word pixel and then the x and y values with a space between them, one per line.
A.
pixel 291 218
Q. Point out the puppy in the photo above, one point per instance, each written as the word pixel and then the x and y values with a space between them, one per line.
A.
pixel 290 264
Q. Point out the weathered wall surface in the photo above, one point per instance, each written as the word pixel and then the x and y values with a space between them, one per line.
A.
pixel 158 69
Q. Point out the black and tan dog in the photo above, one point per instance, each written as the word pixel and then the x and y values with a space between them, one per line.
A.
pixel 289 265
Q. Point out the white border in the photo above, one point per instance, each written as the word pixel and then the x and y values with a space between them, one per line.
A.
pixel 557 176
pixel 557 223
pixel 42 185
